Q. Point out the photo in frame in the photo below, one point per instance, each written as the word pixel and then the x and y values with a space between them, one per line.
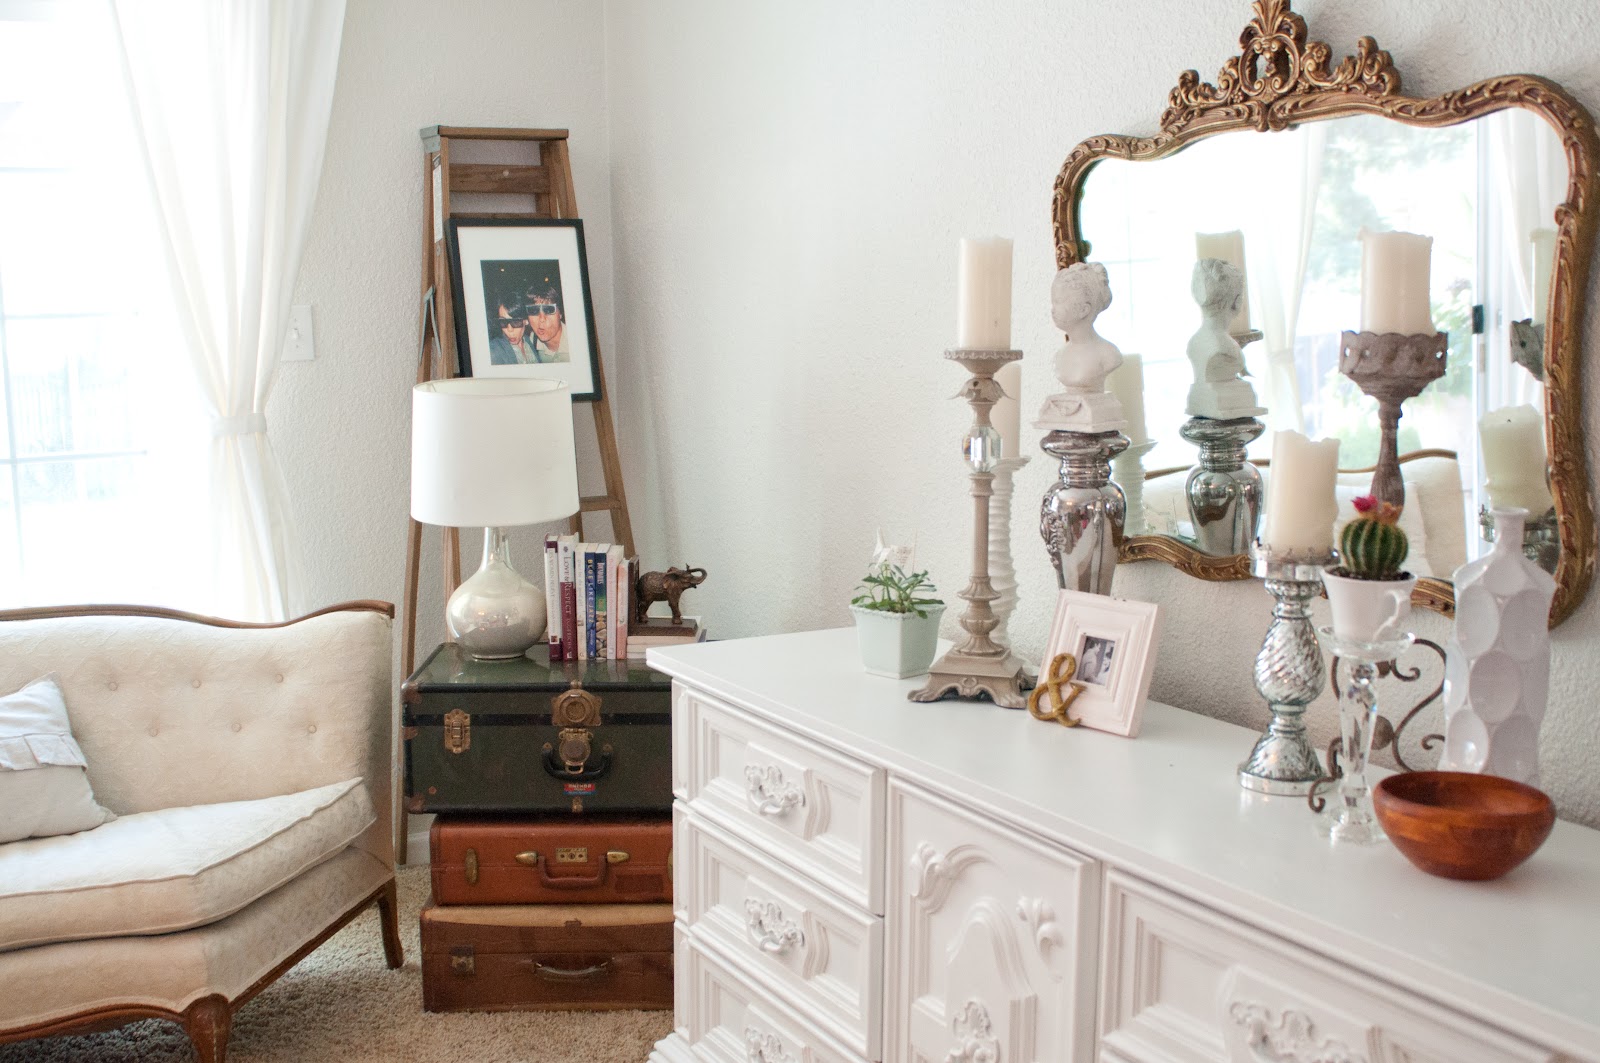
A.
pixel 1112 645
pixel 523 307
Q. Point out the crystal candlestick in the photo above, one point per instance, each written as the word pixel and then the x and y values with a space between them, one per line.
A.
pixel 1288 674
pixel 1081 517
pixel 1002 571
pixel 980 666
pixel 1353 819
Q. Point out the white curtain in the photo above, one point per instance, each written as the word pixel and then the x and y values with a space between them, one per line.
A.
pixel 231 99
pixel 1278 234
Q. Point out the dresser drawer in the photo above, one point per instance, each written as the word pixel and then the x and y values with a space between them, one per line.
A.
pixel 817 810
pixel 731 1021
pixel 1183 984
pixel 822 957
pixel 990 938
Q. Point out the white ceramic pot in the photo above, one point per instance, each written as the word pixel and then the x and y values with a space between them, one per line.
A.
pixel 898 645
pixel 1368 610
pixel 1497 666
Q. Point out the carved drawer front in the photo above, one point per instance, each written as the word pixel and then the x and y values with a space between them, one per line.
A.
pixel 732 1021
pixel 817 810
pixel 680 877
pixel 822 957
pixel 682 739
pixel 1182 983
pixel 990 939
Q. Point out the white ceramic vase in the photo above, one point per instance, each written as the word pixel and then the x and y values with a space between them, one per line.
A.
pixel 897 645
pixel 1368 610
pixel 1497 666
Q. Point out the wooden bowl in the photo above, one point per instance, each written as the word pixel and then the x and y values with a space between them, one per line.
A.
pixel 1459 825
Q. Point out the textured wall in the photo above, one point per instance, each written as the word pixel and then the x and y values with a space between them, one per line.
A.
pixel 789 184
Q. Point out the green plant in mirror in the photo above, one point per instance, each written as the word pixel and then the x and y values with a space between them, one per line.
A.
pixel 888 589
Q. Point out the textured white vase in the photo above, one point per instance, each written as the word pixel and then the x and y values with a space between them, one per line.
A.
pixel 1497 666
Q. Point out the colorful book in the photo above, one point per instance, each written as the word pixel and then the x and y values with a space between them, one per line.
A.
pixel 569 598
pixel 601 650
pixel 552 596
pixel 585 596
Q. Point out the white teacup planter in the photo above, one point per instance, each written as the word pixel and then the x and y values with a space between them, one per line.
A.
pixel 897 645
pixel 1368 610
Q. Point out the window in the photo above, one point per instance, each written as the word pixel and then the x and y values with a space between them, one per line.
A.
pixel 102 439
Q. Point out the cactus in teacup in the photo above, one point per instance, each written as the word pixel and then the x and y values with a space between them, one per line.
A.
pixel 1372 546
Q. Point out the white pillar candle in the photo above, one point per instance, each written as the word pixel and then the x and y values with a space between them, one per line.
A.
pixel 1301 506
pixel 1394 283
pixel 1126 382
pixel 1229 247
pixel 1544 262
pixel 1514 457
pixel 983 308
pixel 1007 413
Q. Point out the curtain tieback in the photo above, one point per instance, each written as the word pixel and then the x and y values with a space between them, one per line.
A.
pixel 243 425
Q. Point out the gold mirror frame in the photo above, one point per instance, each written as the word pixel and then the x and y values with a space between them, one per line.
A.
pixel 1281 79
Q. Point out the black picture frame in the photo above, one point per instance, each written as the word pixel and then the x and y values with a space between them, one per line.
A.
pixel 516 269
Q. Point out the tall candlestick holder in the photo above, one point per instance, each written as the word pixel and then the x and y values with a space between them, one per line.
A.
pixel 1127 472
pixel 1289 674
pixel 1391 367
pixel 1541 538
pixel 1082 517
pixel 1002 570
pixel 1353 819
pixel 980 666
pixel 1223 491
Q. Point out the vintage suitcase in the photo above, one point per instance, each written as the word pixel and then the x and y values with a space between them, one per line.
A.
pixel 527 736
pixel 510 957
pixel 565 860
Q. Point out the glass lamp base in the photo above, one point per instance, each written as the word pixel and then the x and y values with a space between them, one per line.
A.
pixel 496 615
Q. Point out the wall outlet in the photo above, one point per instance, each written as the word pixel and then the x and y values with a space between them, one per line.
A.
pixel 298 345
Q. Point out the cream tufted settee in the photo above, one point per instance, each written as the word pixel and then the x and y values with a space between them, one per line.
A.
pixel 249 767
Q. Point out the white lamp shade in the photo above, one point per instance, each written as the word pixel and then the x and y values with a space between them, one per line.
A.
pixel 492 452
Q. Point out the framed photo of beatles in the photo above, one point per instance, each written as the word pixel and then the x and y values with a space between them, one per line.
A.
pixel 1104 649
pixel 523 308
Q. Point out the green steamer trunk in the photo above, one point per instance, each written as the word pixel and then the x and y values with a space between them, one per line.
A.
pixel 528 736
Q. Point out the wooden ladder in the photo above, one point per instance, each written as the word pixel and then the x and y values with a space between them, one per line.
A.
pixel 537 181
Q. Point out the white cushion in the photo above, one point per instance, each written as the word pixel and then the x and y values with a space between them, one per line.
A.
pixel 44 789
pixel 172 869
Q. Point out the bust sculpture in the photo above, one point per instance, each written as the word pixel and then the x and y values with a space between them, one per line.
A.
pixel 1218 363
pixel 1078 295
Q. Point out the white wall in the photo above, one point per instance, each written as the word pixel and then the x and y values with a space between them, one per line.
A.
pixel 789 183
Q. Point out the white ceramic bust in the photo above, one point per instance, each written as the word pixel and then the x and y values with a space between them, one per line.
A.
pixel 1218 363
pixel 1078 295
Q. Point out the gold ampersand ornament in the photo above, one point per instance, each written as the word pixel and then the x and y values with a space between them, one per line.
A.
pixel 1058 675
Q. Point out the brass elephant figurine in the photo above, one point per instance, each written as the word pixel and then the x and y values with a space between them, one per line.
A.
pixel 666 587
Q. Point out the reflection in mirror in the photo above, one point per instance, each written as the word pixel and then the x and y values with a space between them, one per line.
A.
pixel 1486 191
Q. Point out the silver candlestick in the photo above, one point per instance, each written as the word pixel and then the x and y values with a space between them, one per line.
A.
pixel 1082 517
pixel 1002 571
pixel 1223 491
pixel 1127 472
pixel 980 666
pixel 1289 675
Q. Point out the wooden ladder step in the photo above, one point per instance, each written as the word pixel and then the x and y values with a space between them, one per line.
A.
pixel 599 503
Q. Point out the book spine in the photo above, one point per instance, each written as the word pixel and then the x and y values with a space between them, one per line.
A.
pixel 588 599
pixel 602 614
pixel 580 553
pixel 552 596
pixel 569 603
pixel 619 603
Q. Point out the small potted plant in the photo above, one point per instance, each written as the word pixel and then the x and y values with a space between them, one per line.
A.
pixel 1369 592
pixel 897 621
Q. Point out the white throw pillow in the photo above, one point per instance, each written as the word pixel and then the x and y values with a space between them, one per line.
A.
pixel 44 789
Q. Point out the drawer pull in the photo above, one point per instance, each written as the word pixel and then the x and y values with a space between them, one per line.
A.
pixel 1292 1038
pixel 764 1047
pixel 769 930
pixel 572 974
pixel 975 1039
pixel 768 793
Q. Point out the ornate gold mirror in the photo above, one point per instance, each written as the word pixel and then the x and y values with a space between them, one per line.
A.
pixel 1298 156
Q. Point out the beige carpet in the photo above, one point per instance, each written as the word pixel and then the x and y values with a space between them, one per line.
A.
pixel 341 1003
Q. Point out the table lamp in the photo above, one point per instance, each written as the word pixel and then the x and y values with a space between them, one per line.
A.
pixel 493 452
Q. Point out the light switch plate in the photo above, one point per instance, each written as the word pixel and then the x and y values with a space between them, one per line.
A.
pixel 298 345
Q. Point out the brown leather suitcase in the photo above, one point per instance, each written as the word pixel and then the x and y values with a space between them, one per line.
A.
pixel 530 860
pixel 536 957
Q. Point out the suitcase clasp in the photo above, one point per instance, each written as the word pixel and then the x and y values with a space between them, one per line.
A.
pixel 470 866
pixel 457 731
pixel 462 960
pixel 575 707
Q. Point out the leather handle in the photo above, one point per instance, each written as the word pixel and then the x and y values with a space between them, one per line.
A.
pixel 562 882
pixel 596 766
pixel 571 974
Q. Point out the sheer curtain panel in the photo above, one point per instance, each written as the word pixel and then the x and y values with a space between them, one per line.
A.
pixel 231 103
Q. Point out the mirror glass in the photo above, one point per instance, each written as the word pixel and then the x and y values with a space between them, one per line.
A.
pixel 1485 191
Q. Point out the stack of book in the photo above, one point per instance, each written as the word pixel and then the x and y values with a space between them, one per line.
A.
pixel 589 595
pixel 663 632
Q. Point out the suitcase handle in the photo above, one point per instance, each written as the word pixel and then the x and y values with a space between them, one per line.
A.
pixel 563 882
pixel 571 974
pixel 592 768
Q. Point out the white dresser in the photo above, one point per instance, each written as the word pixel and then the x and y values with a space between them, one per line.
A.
pixel 863 878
